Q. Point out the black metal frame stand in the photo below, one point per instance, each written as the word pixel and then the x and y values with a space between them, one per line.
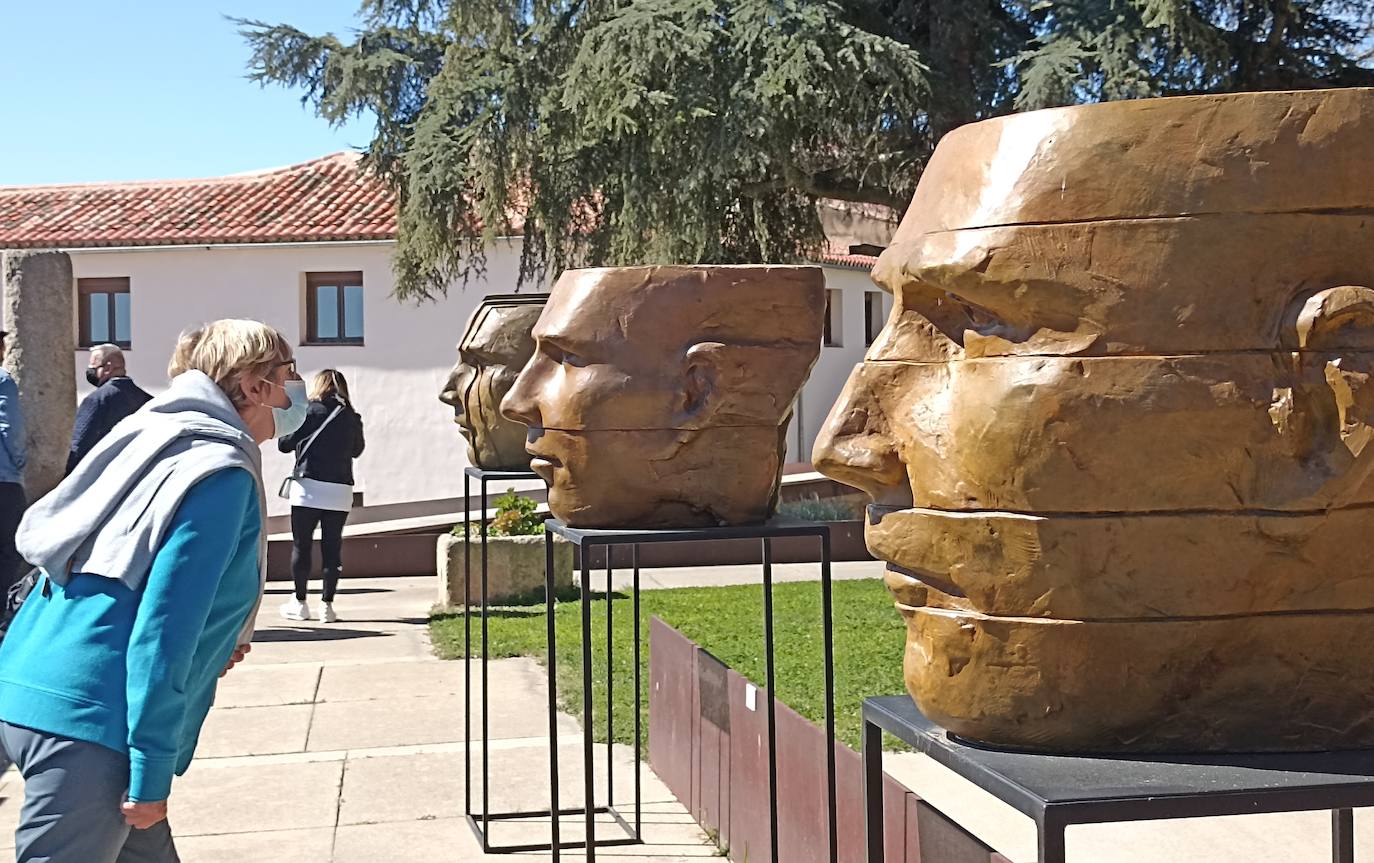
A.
pixel 482 827
pixel 585 539
pixel 1060 790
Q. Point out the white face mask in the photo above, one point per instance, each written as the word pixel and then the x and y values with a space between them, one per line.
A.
pixel 286 420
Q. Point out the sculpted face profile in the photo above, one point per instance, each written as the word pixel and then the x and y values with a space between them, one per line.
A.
pixel 660 396
pixel 1117 429
pixel 495 346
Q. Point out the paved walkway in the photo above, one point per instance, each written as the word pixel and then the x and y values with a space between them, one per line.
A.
pixel 342 743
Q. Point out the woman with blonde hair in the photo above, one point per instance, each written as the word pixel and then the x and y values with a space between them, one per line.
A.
pixel 320 489
pixel 153 556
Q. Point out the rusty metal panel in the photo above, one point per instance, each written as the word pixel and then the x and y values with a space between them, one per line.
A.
pixel 712 695
pixel 672 737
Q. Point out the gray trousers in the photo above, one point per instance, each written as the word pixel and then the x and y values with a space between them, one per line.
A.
pixel 72 794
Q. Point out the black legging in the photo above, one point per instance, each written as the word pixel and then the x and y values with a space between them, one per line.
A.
pixel 331 523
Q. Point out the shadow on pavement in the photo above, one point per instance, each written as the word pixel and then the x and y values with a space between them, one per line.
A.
pixel 312 633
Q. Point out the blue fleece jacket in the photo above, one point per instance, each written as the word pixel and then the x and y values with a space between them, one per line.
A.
pixel 135 670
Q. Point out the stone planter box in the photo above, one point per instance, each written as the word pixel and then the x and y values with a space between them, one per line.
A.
pixel 515 568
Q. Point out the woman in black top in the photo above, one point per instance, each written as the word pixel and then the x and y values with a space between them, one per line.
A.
pixel 321 488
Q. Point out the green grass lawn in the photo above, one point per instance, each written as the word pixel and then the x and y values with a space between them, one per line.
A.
pixel 726 621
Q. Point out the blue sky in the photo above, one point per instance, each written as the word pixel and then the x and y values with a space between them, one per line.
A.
pixel 97 90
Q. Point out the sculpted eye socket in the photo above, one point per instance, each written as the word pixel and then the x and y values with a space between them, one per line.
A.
pixel 563 357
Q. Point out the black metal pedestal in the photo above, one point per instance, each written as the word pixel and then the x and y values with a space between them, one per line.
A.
pixel 585 540
pixel 481 822
pixel 1060 790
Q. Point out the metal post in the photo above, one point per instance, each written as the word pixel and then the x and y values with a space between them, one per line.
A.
pixel 873 790
pixel 772 712
pixel 486 713
pixel 553 693
pixel 610 684
pixel 639 815
pixel 1050 828
pixel 588 779
pixel 827 615
pixel 467 652
pixel 1342 836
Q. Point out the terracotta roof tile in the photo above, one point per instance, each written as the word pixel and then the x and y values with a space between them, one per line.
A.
pixel 323 199
pixel 853 262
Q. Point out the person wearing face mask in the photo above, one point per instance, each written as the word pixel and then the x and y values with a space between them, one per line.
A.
pixel 153 560
pixel 116 396
pixel 320 489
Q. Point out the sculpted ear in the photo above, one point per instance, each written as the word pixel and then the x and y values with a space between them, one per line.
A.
pixel 1334 331
pixel 701 383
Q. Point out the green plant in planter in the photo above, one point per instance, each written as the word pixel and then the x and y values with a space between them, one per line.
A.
pixel 516 516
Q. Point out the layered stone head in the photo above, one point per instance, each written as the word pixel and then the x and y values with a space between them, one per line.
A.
pixel 1116 428
pixel 660 396
pixel 496 344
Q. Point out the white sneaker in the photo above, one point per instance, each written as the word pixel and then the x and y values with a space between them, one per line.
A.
pixel 294 609
pixel 327 614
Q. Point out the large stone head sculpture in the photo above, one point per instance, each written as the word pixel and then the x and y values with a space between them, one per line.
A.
pixel 1117 428
pixel 660 396
pixel 495 346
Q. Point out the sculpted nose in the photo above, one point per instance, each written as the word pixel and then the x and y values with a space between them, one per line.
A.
pixel 521 402
pixel 856 446
pixel 452 393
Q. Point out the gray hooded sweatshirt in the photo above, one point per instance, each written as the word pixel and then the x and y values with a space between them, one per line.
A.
pixel 110 515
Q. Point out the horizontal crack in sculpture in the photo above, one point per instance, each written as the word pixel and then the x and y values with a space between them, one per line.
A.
pixel 1116 428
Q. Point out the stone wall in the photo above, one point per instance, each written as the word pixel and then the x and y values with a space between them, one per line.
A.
pixel 38 316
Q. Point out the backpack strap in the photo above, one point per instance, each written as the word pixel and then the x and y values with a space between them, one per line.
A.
pixel 327 420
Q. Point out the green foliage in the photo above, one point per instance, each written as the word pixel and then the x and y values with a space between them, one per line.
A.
pixel 698 131
pixel 614 131
pixel 516 516
pixel 815 508
pixel 1093 50
pixel 726 621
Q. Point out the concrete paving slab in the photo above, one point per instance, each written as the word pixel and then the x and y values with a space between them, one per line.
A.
pixel 279 846
pixel 252 685
pixel 424 719
pixel 439 839
pixel 255 730
pixel 403 788
pixel 388 722
pixel 334 643
pixel 400 680
pixel 212 801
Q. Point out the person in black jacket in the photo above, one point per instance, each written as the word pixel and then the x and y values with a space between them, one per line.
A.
pixel 321 488
pixel 116 396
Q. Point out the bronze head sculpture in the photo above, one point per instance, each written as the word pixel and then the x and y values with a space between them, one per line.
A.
pixel 1116 427
pixel 495 346
pixel 660 396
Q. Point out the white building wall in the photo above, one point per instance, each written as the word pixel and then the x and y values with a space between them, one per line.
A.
pixel 833 367
pixel 414 451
